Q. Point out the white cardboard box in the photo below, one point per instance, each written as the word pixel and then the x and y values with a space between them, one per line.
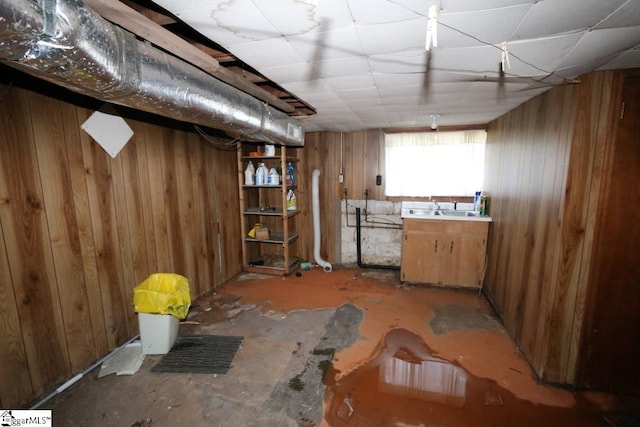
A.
pixel 158 332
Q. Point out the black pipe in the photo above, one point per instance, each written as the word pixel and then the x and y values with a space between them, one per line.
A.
pixel 359 250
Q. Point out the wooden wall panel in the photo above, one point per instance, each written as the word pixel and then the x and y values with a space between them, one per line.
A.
pixel 82 215
pixel 65 243
pixel 357 152
pixel 539 174
pixel 79 230
pixel 610 341
pixel 102 209
pixel 321 151
pixel 14 373
pixel 28 250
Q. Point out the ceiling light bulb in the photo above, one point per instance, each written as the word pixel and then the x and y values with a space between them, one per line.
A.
pixel 434 121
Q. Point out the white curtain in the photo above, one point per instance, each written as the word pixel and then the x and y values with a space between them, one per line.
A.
pixel 434 163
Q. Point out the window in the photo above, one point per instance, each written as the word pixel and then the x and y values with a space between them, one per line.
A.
pixel 434 163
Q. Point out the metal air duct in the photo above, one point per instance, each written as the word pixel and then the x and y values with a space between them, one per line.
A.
pixel 67 43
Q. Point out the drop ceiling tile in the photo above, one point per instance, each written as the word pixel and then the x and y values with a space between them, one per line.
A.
pixel 443 98
pixel 491 26
pixel 396 80
pixel 339 43
pixel 284 74
pixel 365 104
pixel 628 59
pixel 448 88
pixel 547 18
pixel 266 53
pixel 290 16
pixel 401 62
pixel 224 23
pixel 393 37
pixel 400 91
pixel 341 67
pixel 350 83
pixel 367 93
pixel 541 56
pixel 243 19
pixel 176 7
pixel 455 6
pixel 316 89
pixel 486 59
pixel 627 15
pixel 401 101
pixel 388 11
pixel 333 14
pixel 596 47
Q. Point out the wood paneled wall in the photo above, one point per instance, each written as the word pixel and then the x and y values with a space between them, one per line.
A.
pixel 357 152
pixel 541 176
pixel 79 230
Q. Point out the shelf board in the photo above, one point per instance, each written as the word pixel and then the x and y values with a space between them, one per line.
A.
pixel 268 211
pixel 289 159
pixel 274 237
pixel 273 264
pixel 279 186
pixel 272 211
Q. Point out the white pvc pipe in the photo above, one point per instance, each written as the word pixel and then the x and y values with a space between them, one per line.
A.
pixel 315 201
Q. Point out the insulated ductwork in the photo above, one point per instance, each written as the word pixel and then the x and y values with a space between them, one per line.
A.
pixel 69 44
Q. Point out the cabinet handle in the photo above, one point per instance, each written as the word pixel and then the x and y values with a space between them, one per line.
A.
pixel 451 249
pixel 435 249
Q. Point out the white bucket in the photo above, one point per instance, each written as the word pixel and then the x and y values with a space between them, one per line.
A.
pixel 158 332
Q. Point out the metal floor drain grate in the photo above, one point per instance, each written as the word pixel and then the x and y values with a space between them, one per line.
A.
pixel 203 354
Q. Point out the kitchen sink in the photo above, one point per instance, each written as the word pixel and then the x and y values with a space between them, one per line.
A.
pixel 428 212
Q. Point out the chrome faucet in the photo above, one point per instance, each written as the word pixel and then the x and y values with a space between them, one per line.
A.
pixel 437 205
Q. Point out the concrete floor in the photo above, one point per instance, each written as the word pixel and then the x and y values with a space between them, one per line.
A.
pixel 348 348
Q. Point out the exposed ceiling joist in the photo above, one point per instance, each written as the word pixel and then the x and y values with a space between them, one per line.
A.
pixel 138 22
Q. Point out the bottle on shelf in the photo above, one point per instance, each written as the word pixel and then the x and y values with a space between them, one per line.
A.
pixel 292 203
pixel 261 174
pixel 273 178
pixel 249 174
pixel 290 178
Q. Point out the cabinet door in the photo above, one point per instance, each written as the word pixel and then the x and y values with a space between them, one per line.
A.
pixel 422 251
pixel 465 259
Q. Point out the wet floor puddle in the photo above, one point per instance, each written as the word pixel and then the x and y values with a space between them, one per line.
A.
pixel 406 386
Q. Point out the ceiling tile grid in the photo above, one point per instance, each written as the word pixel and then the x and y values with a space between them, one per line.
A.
pixel 364 64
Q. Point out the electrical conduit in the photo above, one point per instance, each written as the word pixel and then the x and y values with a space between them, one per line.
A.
pixel 315 201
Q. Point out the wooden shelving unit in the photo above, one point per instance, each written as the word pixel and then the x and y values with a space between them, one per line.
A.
pixel 267 205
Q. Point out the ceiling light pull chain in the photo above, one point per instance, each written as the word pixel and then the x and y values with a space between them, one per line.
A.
pixel 432 28
pixel 505 57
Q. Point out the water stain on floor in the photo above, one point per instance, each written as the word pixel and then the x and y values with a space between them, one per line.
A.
pixel 450 317
pixel 406 385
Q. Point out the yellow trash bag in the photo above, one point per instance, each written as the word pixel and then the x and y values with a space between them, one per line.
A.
pixel 163 293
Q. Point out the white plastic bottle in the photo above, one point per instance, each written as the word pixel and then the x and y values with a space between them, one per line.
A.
pixel 273 178
pixel 249 172
pixel 292 204
pixel 261 174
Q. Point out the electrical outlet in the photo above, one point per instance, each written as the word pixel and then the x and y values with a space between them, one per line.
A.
pixel 340 178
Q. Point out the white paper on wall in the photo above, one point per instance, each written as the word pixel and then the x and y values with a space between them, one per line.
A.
pixel 110 131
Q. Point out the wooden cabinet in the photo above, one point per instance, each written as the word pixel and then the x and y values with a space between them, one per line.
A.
pixel 444 252
pixel 275 252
